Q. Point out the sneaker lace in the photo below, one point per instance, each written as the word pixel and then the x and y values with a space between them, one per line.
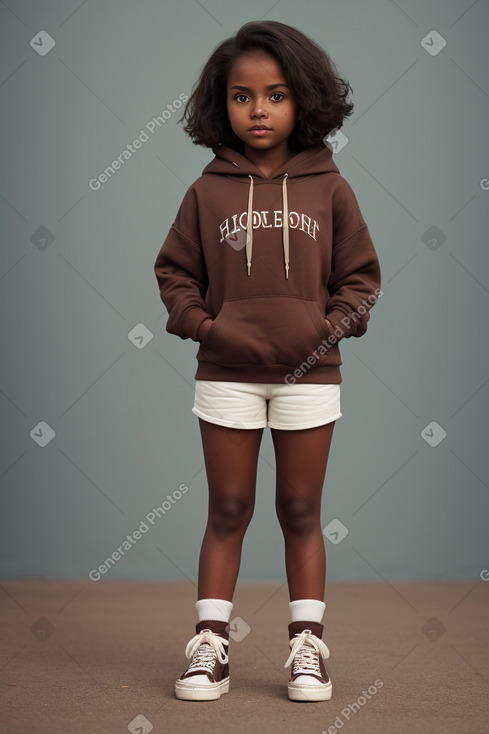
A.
pixel 305 649
pixel 204 647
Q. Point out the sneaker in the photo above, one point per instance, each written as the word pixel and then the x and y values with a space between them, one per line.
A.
pixel 207 676
pixel 309 679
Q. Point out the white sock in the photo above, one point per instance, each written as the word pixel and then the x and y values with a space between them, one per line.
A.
pixel 306 610
pixel 218 609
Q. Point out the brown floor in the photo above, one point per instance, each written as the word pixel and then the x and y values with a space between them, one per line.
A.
pixel 101 654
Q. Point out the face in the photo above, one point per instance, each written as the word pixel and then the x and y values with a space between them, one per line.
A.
pixel 258 96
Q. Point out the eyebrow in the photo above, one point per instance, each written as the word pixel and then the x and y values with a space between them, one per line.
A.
pixel 270 86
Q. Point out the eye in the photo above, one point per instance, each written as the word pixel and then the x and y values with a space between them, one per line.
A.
pixel 278 94
pixel 239 97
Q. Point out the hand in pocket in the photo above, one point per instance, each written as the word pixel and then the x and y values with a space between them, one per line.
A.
pixel 204 328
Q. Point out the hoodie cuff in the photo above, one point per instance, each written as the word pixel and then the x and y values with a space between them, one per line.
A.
pixel 338 320
pixel 191 321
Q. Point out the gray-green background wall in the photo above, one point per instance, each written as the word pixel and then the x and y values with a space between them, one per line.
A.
pixel 86 360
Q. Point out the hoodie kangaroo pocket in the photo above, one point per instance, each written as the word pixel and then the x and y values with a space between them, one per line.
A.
pixel 266 330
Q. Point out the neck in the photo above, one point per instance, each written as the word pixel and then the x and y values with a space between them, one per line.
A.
pixel 268 161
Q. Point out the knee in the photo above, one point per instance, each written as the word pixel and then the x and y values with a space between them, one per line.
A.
pixel 297 517
pixel 230 515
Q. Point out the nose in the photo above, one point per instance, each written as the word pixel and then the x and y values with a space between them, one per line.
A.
pixel 258 109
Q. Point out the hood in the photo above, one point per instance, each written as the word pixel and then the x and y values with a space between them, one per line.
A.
pixel 316 160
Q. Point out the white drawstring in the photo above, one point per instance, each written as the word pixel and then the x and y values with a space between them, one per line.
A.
pixel 285 225
pixel 249 227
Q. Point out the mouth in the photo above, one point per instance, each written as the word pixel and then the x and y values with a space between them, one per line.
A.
pixel 260 130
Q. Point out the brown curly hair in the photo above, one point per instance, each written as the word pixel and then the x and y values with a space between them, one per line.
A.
pixel 318 90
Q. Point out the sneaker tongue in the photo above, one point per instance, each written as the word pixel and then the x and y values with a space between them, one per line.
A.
pixel 218 627
pixel 295 628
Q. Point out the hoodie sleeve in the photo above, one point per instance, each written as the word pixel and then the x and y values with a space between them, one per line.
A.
pixel 354 285
pixel 181 273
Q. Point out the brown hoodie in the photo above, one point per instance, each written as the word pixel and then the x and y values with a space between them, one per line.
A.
pixel 269 259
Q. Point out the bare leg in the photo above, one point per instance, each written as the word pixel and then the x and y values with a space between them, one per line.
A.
pixel 301 460
pixel 231 458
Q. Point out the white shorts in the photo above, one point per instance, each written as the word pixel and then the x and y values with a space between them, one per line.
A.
pixel 256 405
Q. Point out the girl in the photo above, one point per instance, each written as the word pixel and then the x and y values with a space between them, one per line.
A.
pixel 268 265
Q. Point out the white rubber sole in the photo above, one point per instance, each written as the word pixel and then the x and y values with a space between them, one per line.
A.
pixel 321 692
pixel 185 691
